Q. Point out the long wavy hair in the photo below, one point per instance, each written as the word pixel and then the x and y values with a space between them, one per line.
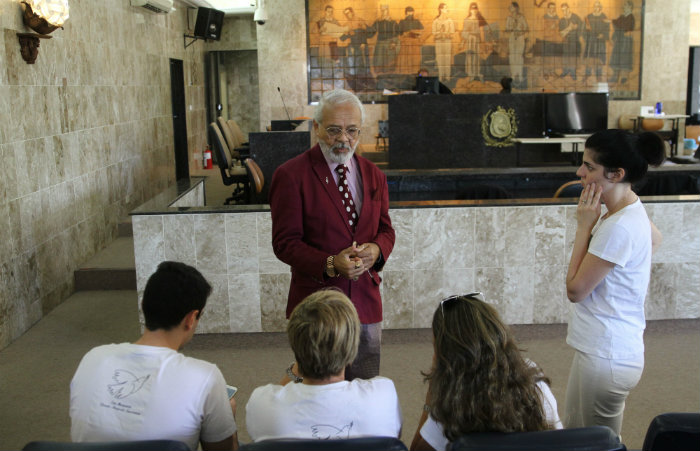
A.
pixel 479 382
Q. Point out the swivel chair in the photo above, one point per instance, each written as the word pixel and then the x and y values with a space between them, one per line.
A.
pixel 238 149
pixel 137 445
pixel 593 438
pixel 238 134
pixel 673 431
pixel 256 179
pixel 569 189
pixel 348 444
pixel 230 174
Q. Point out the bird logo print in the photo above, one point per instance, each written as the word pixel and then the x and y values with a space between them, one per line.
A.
pixel 126 384
pixel 327 431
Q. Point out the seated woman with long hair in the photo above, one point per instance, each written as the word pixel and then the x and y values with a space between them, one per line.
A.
pixel 479 382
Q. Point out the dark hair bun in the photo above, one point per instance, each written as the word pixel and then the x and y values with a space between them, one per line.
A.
pixel 652 148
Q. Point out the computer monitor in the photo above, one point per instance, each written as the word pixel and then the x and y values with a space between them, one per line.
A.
pixel 427 85
pixel 284 125
pixel 575 113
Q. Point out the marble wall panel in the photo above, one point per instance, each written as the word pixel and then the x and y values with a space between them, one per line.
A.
pixel 517 304
pixel 8 171
pixel 489 237
pixel 149 246
pixel 242 244
pixel 667 219
pixel 550 236
pixel 244 302
pixel 431 286
pixel 687 291
pixel 398 299
pixel 401 257
pixel 519 236
pixel 660 301
pixel 459 238
pixel 550 302
pixel 179 239
pixel 5 115
pixel 210 248
pixel 215 317
pixel 532 292
pixel 274 289
pixel 267 261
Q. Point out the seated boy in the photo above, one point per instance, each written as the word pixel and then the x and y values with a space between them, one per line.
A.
pixel 147 390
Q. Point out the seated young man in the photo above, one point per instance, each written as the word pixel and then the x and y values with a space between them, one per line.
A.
pixel 324 333
pixel 147 390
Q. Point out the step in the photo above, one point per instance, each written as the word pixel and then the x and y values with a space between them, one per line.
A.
pixel 113 268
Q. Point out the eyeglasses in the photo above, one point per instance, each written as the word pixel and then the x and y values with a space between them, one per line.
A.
pixel 335 132
pixel 478 295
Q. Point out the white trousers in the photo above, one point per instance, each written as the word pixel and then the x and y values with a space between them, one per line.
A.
pixel 598 389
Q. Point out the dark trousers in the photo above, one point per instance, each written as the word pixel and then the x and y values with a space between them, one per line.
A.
pixel 366 364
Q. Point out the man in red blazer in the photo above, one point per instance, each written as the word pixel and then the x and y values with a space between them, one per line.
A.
pixel 330 221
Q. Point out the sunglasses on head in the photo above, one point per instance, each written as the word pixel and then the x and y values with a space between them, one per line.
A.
pixel 478 295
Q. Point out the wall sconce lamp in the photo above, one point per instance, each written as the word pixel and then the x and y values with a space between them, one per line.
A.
pixel 42 16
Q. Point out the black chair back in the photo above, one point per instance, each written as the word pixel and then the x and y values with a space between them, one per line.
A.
pixel 673 431
pixel 348 444
pixel 138 445
pixel 594 438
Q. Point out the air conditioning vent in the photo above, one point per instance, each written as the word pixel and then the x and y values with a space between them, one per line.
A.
pixel 157 6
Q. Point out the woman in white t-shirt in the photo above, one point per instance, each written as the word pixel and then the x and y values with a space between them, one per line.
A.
pixel 608 277
pixel 314 400
pixel 479 382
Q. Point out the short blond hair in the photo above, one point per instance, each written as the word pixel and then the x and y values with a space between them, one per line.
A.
pixel 324 333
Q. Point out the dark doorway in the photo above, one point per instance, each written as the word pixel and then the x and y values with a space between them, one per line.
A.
pixel 177 94
pixel 692 103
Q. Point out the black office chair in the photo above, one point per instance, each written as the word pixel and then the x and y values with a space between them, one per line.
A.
pixel 673 431
pixel 594 438
pixel 230 174
pixel 138 445
pixel 348 444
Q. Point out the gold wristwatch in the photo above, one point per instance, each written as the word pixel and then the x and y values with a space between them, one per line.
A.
pixel 330 267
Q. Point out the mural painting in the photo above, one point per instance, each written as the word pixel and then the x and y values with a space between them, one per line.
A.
pixel 378 47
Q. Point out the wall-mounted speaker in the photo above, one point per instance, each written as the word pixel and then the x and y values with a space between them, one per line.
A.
pixel 208 24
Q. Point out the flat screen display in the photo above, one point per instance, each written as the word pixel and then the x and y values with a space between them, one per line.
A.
pixel 575 113
pixel 427 85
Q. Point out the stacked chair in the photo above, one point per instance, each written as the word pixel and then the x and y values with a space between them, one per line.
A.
pixel 235 167
pixel 231 173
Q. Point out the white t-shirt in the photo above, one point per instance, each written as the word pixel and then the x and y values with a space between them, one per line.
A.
pixel 135 392
pixel 433 433
pixel 339 410
pixel 610 322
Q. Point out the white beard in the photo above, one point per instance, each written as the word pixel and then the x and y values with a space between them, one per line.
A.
pixel 340 158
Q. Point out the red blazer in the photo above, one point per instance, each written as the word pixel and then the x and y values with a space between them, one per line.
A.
pixel 309 223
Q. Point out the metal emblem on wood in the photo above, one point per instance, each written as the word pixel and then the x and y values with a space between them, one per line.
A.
pixel 499 127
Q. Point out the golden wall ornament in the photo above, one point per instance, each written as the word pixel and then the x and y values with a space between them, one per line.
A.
pixel 499 126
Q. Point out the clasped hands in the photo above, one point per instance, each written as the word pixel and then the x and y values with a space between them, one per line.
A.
pixel 352 261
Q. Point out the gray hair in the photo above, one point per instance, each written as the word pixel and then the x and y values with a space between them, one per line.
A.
pixel 337 97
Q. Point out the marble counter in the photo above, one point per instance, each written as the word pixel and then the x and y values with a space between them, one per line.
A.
pixel 516 251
